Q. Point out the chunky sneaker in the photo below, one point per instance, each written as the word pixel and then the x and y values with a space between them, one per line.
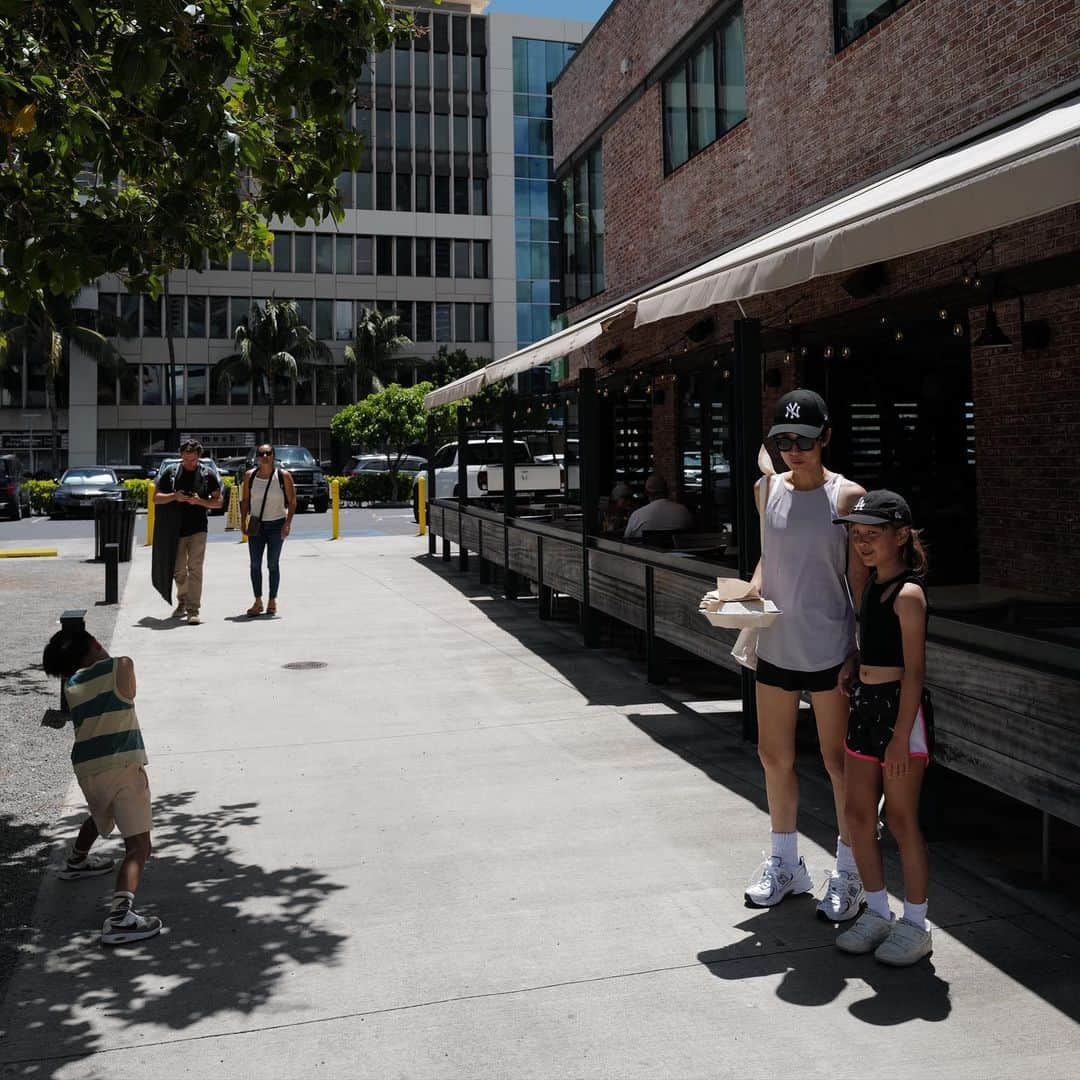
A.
pixel 179 611
pixel 91 866
pixel 776 881
pixel 125 926
pixel 906 944
pixel 256 608
pixel 193 618
pixel 843 897
pixel 869 931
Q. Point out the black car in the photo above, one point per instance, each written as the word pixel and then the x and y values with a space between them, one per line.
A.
pixel 14 492
pixel 312 488
pixel 79 489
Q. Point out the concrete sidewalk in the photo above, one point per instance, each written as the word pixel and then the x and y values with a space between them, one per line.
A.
pixel 466 848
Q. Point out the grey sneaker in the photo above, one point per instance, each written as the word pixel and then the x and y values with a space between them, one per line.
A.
pixel 126 926
pixel 193 618
pixel 869 931
pixel 843 897
pixel 776 881
pixel 91 866
pixel 179 611
pixel 906 944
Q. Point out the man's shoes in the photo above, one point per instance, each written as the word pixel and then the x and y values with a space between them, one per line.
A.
pixel 776 881
pixel 271 608
pixel 843 897
pixel 193 618
pixel 256 608
pixel 125 926
pixel 91 866
pixel 869 931
pixel 906 944
pixel 179 610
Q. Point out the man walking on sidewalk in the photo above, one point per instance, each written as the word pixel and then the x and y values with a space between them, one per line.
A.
pixel 195 489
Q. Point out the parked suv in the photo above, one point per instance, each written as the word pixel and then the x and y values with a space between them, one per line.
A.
pixel 310 481
pixel 14 491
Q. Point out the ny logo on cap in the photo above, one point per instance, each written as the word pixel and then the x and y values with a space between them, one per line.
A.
pixel 860 505
pixel 792 412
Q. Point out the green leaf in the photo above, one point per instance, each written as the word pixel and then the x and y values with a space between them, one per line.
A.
pixel 85 15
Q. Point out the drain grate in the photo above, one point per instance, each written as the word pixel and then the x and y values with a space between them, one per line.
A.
pixel 304 665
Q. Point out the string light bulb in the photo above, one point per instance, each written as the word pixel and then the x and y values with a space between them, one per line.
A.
pixel 845 352
pixel 958 329
pixel 898 336
pixel 943 314
pixel 828 352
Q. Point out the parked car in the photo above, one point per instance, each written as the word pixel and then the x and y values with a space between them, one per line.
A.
pixel 151 462
pixel 409 463
pixel 129 472
pixel 14 490
pixel 312 487
pixel 213 465
pixel 79 489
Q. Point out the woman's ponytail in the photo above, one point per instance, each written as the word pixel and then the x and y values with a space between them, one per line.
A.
pixel 914 553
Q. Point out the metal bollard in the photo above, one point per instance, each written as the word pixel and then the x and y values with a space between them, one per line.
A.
pixel 232 515
pixel 421 495
pixel 112 573
pixel 75 619
pixel 150 511
pixel 335 509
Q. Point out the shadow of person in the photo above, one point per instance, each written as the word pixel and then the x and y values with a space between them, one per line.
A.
pixel 788 942
pixel 234 932
pixel 148 622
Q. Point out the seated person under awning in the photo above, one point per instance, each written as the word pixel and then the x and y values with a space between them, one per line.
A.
pixel 662 514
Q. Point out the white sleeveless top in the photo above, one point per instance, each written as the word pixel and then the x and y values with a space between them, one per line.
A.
pixel 275 498
pixel 805 576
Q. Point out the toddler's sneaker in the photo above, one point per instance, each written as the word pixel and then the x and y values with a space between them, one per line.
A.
pixel 906 944
pixel 843 897
pixel 125 925
pixel 91 866
pixel 776 881
pixel 869 931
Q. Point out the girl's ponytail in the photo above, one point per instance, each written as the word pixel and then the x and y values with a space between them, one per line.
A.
pixel 914 554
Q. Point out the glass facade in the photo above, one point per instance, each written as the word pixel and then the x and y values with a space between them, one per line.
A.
pixel 853 18
pixel 583 227
pixel 536 65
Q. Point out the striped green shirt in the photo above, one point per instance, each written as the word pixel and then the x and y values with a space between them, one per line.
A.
pixel 107 734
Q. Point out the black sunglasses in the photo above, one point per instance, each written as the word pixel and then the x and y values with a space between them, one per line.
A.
pixel 787 443
pixel 264 453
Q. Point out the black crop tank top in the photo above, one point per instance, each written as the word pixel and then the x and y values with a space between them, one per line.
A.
pixel 881 643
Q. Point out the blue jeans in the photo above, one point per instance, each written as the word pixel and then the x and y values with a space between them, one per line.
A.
pixel 268 539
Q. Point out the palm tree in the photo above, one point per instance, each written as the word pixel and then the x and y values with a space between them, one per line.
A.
pixel 51 325
pixel 377 341
pixel 271 341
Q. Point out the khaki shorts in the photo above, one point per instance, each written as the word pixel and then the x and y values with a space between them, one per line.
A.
pixel 119 797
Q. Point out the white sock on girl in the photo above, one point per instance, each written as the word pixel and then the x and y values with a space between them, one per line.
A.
pixel 916 913
pixel 785 845
pixel 845 858
pixel 878 903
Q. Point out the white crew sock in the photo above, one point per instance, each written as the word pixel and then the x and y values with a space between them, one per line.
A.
pixel 122 903
pixel 785 845
pixel 845 858
pixel 878 903
pixel 916 913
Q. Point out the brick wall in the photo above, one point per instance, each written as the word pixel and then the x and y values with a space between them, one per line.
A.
pixel 818 122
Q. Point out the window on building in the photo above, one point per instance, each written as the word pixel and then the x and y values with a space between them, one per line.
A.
pixel 261 263
pixel 423 256
pixel 176 315
pixel 283 261
pixel 306 307
pixel 346 187
pixel 343 254
pixel 324 320
pixel 403 254
pixel 481 322
pixel 461 259
pixel 343 320
pixel 324 254
pixel 196 385
pixel 404 187
pixel 423 131
pixel 479 196
pixel 705 93
pixel 403 130
pixel 583 228
pixel 442 194
pixel 423 194
pixel 443 325
pixel 365 255
pixel 384 191
pixel 461 194
pixel 401 66
pixel 423 321
pixel 384 255
pixel 240 261
pixel 443 263
pixel 239 306
pixel 196 316
pixel 302 259
pixel 853 18
pixel 480 258
pixel 129 315
pixel 219 316
pixel 365 190
pixel 403 310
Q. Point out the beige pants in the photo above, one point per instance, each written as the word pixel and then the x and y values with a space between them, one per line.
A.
pixel 187 573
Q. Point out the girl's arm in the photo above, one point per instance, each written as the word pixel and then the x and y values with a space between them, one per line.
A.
pixel 910 608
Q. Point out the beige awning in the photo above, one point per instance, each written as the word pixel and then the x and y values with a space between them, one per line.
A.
pixel 1017 174
pixel 1030 169
pixel 544 351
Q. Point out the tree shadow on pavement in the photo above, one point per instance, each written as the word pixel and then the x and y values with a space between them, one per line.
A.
pixel 233 931
pixel 785 941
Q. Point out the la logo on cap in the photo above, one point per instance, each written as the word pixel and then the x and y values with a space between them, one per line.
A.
pixel 861 504
pixel 792 412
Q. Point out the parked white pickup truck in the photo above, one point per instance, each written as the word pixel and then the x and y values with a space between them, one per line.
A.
pixel 484 472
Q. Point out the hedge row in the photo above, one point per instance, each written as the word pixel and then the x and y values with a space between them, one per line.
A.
pixel 372 487
pixel 138 491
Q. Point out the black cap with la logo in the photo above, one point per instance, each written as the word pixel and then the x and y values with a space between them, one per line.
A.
pixel 879 507
pixel 801 412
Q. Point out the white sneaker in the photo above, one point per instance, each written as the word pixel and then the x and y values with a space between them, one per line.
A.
pixel 126 926
pixel 869 931
pixel 776 881
pixel 906 944
pixel 92 866
pixel 843 897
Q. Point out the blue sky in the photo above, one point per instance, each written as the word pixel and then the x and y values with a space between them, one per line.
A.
pixel 580 10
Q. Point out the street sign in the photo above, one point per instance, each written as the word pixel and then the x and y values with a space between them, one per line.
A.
pixel 27 440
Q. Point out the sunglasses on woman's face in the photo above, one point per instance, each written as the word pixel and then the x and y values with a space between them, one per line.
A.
pixel 265 453
pixel 786 443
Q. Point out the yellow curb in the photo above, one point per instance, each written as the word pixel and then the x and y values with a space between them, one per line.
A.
pixel 28 553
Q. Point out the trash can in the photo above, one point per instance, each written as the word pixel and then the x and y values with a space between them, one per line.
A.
pixel 114 523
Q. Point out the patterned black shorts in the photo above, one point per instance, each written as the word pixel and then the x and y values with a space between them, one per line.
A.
pixel 873 719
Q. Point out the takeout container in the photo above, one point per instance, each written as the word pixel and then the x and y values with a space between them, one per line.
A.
pixel 735 605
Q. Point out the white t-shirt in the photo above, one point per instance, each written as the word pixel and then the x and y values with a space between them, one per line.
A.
pixel 660 515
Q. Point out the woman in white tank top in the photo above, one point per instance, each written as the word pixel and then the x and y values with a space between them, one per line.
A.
pixel 810 574
pixel 269 495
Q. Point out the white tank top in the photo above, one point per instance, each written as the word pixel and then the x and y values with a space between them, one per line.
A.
pixel 805 576
pixel 275 498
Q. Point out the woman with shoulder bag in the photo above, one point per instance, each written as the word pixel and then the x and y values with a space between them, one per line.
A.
pixel 809 572
pixel 271 492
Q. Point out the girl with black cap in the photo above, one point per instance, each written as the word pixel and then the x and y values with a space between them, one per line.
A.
pixel 808 571
pixel 891 731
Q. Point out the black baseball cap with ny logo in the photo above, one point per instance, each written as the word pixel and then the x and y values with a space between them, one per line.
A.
pixel 801 412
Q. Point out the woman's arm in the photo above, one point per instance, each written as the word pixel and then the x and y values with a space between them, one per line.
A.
pixel 756 577
pixel 290 500
pixel 910 607
pixel 245 494
pixel 858 574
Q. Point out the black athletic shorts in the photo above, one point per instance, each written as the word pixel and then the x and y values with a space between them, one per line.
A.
pixel 873 719
pixel 814 682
